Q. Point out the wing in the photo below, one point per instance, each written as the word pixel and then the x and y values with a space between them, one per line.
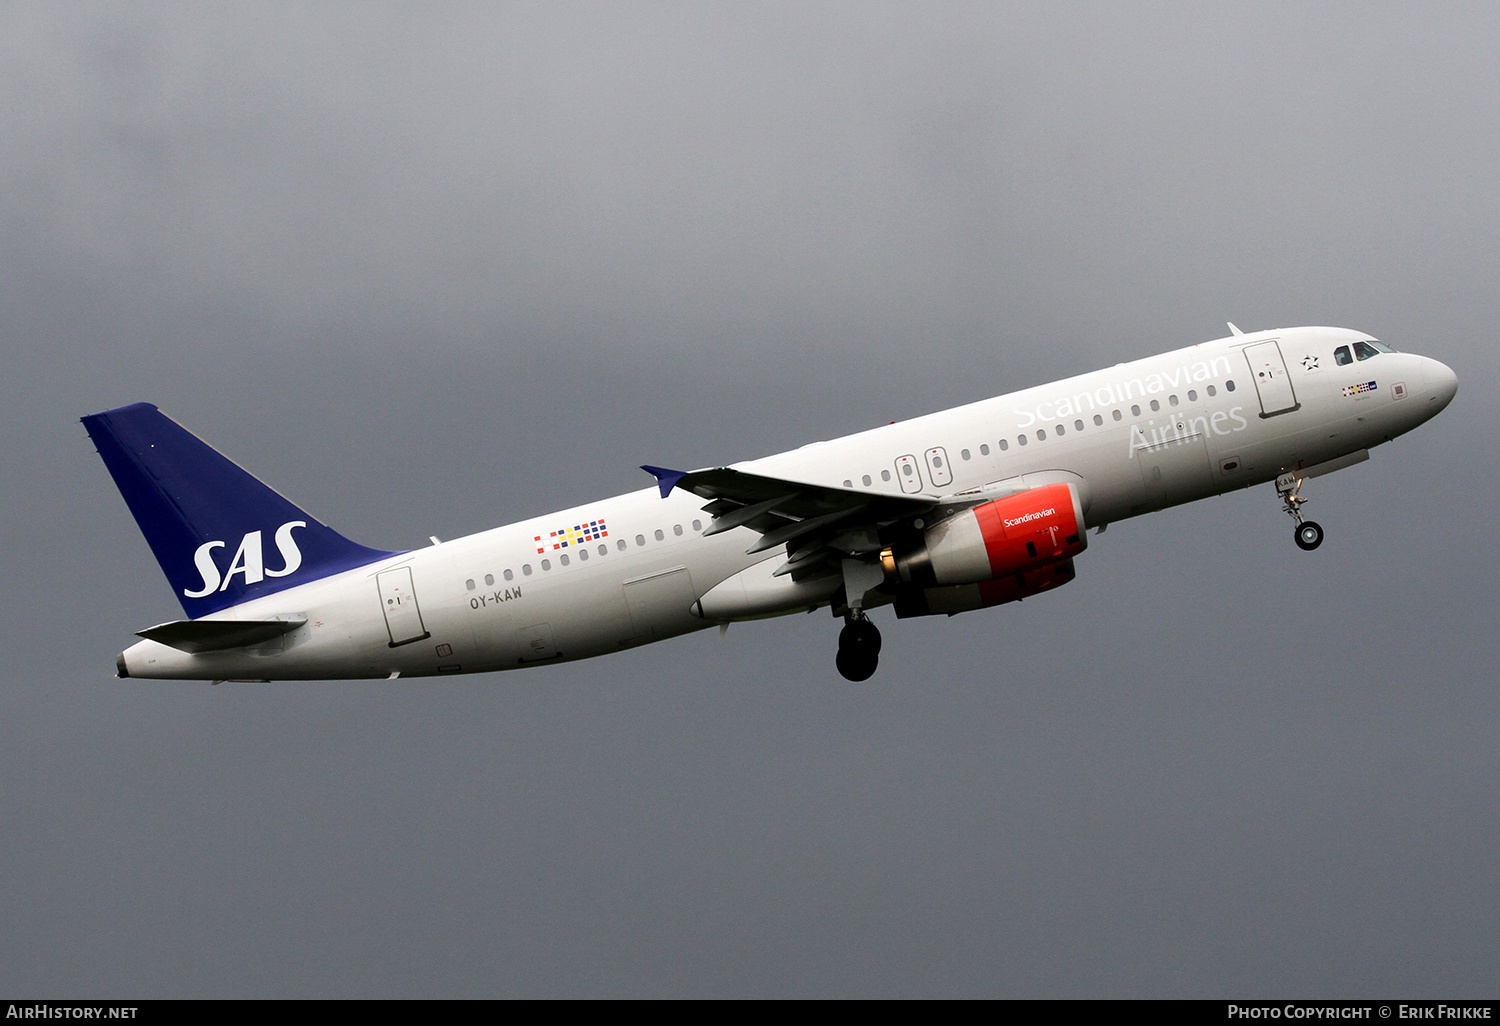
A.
pixel 818 525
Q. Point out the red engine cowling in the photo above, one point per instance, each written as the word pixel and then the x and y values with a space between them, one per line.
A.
pixel 1016 534
pixel 962 598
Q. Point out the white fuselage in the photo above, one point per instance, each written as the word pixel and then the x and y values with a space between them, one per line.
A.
pixel 1142 436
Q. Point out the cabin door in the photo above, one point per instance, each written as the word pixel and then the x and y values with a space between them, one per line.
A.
pixel 1268 371
pixel 399 600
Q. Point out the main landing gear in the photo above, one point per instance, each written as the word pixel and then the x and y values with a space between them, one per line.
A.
pixel 1309 535
pixel 859 647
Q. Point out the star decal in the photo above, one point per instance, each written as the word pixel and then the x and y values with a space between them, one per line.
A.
pixel 1310 362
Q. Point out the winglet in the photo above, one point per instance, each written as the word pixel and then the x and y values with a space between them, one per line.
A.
pixel 1232 328
pixel 666 479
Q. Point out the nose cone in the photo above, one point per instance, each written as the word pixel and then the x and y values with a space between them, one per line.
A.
pixel 1442 386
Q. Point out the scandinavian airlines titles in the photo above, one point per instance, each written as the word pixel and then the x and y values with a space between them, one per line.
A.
pixel 1116 393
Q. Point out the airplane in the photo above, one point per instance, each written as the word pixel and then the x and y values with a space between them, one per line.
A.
pixel 948 513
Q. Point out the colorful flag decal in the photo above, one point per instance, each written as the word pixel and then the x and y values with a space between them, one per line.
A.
pixel 1368 386
pixel 571 537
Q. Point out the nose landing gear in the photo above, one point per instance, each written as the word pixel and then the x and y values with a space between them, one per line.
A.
pixel 859 648
pixel 1309 534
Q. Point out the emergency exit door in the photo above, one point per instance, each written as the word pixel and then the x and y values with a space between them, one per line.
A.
pixel 938 470
pixel 399 600
pixel 1272 382
pixel 908 475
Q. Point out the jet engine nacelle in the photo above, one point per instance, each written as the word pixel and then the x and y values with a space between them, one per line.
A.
pixel 963 598
pixel 996 540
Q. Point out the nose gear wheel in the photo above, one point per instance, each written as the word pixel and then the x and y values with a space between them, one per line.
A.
pixel 1308 534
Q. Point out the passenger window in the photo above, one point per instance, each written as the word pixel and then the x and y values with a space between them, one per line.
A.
pixel 1172 399
pixel 1041 436
pixel 1192 395
pixel 546 564
pixel 1059 430
pixel 1364 350
pixel 984 450
pixel 1004 445
pixel 640 539
pixel 1022 439
pixel 489 580
pixel 866 480
pixel 1341 356
pixel 1115 414
pixel 603 551
pixel 885 475
pixel 525 569
pixel 677 530
pixel 1078 425
pixel 563 559
pixel 583 555
pixel 660 536
pixel 697 525
pixel 906 468
pixel 621 544
pixel 1135 411
pixel 848 483
pixel 509 575
pixel 1212 391
pixel 1155 406
pixel 469 584
pixel 1229 385
pixel 964 453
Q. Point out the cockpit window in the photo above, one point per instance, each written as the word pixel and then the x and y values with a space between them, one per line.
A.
pixel 1364 350
pixel 1380 346
pixel 1341 356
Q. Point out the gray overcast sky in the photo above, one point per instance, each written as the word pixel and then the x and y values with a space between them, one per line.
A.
pixel 432 268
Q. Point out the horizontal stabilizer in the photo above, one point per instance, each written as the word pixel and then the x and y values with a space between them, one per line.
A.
pixel 212 635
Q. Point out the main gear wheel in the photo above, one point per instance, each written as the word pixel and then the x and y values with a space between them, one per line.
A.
pixel 859 649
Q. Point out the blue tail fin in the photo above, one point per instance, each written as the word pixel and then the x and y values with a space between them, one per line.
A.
pixel 220 535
